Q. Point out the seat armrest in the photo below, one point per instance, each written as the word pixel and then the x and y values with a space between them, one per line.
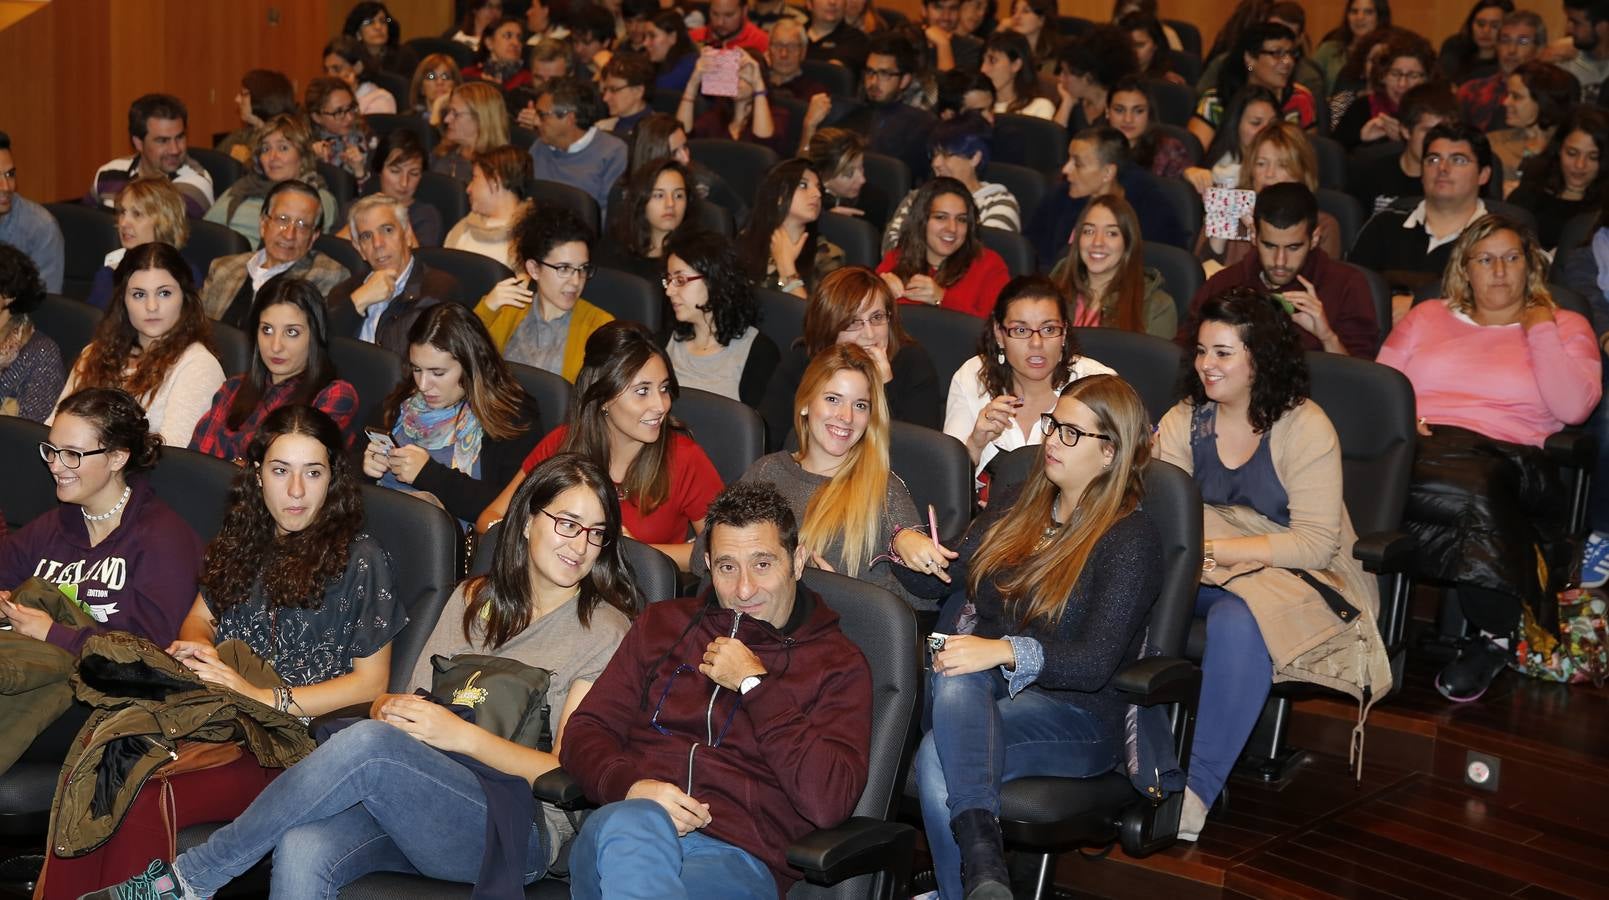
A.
pixel 856 847
pixel 559 788
pixel 1159 679
pixel 1572 447
pixel 1385 551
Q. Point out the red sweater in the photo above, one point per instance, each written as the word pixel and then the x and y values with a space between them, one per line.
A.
pixel 794 757
pixel 978 288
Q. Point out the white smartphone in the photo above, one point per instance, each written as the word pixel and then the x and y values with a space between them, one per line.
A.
pixel 381 438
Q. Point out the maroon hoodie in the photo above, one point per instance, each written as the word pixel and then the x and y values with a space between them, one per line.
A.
pixel 792 759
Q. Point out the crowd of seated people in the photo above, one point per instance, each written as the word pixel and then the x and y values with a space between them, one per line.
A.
pixel 1027 186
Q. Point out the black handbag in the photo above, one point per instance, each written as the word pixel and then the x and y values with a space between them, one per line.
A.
pixel 508 697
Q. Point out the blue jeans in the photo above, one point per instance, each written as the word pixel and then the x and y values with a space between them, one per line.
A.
pixel 980 739
pixel 371 799
pixel 629 850
pixel 1236 674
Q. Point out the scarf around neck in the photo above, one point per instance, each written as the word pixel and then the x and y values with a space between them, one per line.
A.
pixel 455 426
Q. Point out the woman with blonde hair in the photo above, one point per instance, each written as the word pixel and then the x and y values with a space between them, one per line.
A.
pixel 432 87
pixel 284 151
pixel 1279 153
pixel 147 210
pixel 1060 578
pixel 1106 276
pixel 154 343
pixel 841 417
pixel 475 121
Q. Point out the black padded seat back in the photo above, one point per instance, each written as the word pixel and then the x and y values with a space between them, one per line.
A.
pixel 27 491
pixel 1348 213
pixel 224 169
pixel 1017 251
pixel 209 241
pixel 1148 363
pixel 627 296
pixel 1175 103
pixel 197 486
pixel 446 194
pixel 1030 141
pixel 949 337
pixel 1028 186
pixel 653 571
pixel 1331 162
pixel 383 124
pixel 1181 274
pixel 233 347
pixel 838 80
pixel 476 274
pixel 730 433
pixel 1372 408
pixel 551 392
pixel 88 234
pixel 69 322
pixel 888 180
pixel 422 543
pixel 860 241
pixel 937 470
pixel 742 164
pixel 781 315
pixel 1380 296
pixel 558 195
pixel 342 251
pixel 373 371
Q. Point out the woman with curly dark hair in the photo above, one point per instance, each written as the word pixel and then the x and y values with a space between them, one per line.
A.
pixel 1026 354
pixel 133 559
pixel 1540 97
pixel 31 373
pixel 939 259
pixel 558 597
pixel 781 248
pixel 538 317
pixel 458 424
pixel 1265 56
pixel 713 344
pixel 620 418
pixel 1404 62
pixel 292 577
pixel 1281 592
pixel 290 364
pixel 657 202
pixel 154 343
pixel 1086 69
pixel 1568 178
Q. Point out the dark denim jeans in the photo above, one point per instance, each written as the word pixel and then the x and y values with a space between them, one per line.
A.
pixel 981 739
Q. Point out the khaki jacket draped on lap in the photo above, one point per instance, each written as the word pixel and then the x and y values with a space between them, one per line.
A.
pixel 1306 640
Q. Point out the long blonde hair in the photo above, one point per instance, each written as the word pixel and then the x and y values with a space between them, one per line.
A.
pixel 1036 577
pixel 851 503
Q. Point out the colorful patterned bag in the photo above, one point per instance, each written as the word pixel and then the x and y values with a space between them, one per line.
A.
pixel 1581 654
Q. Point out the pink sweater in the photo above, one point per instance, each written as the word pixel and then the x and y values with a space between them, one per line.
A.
pixel 1501 381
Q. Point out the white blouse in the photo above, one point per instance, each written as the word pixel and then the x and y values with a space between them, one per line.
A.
pixel 967 399
pixel 179 402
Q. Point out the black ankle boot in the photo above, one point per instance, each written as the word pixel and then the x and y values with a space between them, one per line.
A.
pixel 983 856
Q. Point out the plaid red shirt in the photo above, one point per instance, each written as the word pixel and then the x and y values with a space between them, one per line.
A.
pixel 213 436
pixel 1481 100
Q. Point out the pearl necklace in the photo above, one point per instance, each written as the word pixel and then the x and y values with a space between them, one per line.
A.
pixel 127 491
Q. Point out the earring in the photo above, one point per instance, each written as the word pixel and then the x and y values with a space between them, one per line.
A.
pixel 1000 357
pixel 1248 68
pixel 605 411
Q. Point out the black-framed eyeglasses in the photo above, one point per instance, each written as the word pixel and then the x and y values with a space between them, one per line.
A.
pixel 565 270
pixel 340 111
pixel 569 528
pixel 376 20
pixel 1048 331
pixel 653 722
pixel 1069 433
pixel 70 458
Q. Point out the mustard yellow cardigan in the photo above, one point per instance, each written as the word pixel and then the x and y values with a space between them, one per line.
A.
pixel 584 320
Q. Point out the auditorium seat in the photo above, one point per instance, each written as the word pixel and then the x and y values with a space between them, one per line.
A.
pixel 89 233
pixel 69 322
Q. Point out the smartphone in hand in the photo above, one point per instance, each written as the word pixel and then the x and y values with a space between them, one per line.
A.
pixel 381 438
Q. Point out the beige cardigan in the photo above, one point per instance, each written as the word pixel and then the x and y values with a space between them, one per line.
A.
pixel 1306 640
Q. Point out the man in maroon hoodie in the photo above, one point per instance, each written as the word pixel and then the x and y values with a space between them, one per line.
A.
pixel 725 727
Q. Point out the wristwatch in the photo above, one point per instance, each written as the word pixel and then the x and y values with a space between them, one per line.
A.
pixel 748 684
pixel 1208 562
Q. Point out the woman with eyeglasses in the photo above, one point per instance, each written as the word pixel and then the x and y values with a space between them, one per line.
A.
pixel 340 136
pixel 457 425
pixel 713 342
pixel 620 418
pixel 781 247
pixel 540 319
pixel 294 578
pixel 345 59
pixel 559 597
pixel 1269 54
pixel 1059 576
pixel 154 343
pixel 1026 355
pixel 290 365
pixel 938 258
pixel 475 121
pixel 847 500
pixel 432 87
pixel 1406 62
pixel 131 559
pixel 854 306
pixel 1282 594
pixel 371 23
pixel 1497 367
pixel 284 151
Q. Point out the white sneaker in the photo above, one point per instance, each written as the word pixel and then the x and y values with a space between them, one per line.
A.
pixel 1192 818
